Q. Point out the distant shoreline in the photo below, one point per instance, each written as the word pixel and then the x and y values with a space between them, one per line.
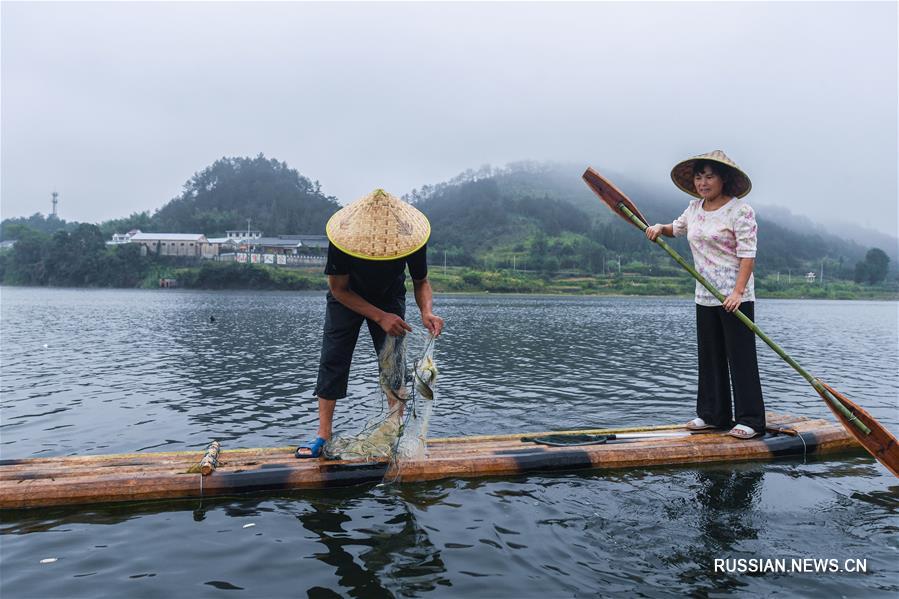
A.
pixel 460 280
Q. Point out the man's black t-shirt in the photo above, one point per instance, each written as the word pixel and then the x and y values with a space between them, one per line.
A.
pixel 377 280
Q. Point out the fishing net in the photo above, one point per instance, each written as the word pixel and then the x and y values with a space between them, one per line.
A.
pixel 413 441
pixel 386 435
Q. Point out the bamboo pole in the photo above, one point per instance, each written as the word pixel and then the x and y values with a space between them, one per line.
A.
pixel 591 431
pixel 211 459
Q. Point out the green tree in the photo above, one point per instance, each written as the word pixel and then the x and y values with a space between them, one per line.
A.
pixel 56 256
pixel 25 263
pixel 14 230
pixel 80 258
pixel 275 198
pixel 11 228
pixel 538 250
pixel 551 265
pixel 874 269
pixel 86 245
pixel 122 266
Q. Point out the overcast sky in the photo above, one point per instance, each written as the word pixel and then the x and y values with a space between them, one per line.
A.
pixel 116 105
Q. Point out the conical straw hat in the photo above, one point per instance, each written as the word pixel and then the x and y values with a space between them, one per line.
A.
pixel 378 226
pixel 682 174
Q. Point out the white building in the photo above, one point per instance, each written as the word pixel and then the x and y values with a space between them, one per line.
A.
pixel 175 244
pixel 225 244
pixel 120 238
pixel 243 235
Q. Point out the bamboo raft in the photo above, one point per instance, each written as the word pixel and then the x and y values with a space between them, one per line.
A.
pixel 41 482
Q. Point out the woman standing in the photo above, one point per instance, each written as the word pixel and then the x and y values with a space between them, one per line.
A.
pixel 721 229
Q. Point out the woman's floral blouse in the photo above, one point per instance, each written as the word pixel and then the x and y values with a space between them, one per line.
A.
pixel 718 240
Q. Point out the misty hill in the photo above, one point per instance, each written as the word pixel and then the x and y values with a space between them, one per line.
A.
pixel 861 235
pixel 533 209
pixel 275 198
pixel 538 216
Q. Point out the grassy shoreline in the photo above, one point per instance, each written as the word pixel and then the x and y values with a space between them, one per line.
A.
pixel 466 280
pixel 233 276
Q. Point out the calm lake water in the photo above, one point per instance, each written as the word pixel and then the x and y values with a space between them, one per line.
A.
pixel 100 371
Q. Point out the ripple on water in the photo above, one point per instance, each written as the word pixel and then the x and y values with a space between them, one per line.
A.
pixel 134 370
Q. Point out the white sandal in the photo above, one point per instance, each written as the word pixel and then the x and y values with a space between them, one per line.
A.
pixel 741 431
pixel 698 424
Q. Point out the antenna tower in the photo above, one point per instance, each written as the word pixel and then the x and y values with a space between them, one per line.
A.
pixel 55 202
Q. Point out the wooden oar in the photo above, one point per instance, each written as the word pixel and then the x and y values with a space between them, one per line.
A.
pixel 876 439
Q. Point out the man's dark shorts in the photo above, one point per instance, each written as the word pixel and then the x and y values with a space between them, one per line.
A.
pixel 339 341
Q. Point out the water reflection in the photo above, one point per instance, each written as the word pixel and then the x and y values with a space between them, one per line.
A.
pixel 732 493
pixel 727 501
pixel 393 548
pixel 358 578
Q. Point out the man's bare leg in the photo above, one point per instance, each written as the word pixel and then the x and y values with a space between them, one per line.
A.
pixel 326 417
pixel 325 421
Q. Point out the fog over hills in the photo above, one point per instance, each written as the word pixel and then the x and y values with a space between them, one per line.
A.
pixel 563 182
pixel 864 236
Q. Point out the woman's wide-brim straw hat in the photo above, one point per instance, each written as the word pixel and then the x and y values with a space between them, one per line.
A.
pixel 682 174
pixel 378 226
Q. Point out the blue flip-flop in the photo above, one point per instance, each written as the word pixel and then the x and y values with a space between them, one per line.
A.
pixel 315 449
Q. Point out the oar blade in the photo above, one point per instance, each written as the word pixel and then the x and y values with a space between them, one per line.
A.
pixel 880 443
pixel 611 195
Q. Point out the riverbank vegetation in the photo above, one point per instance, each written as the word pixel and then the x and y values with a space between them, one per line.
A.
pixel 465 280
pixel 46 261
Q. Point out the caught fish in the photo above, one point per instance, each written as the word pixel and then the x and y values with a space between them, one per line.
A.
pixel 426 377
pixel 413 442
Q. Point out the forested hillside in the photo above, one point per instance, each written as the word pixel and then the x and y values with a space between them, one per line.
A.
pixel 276 199
pixel 545 217
pixel 538 217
